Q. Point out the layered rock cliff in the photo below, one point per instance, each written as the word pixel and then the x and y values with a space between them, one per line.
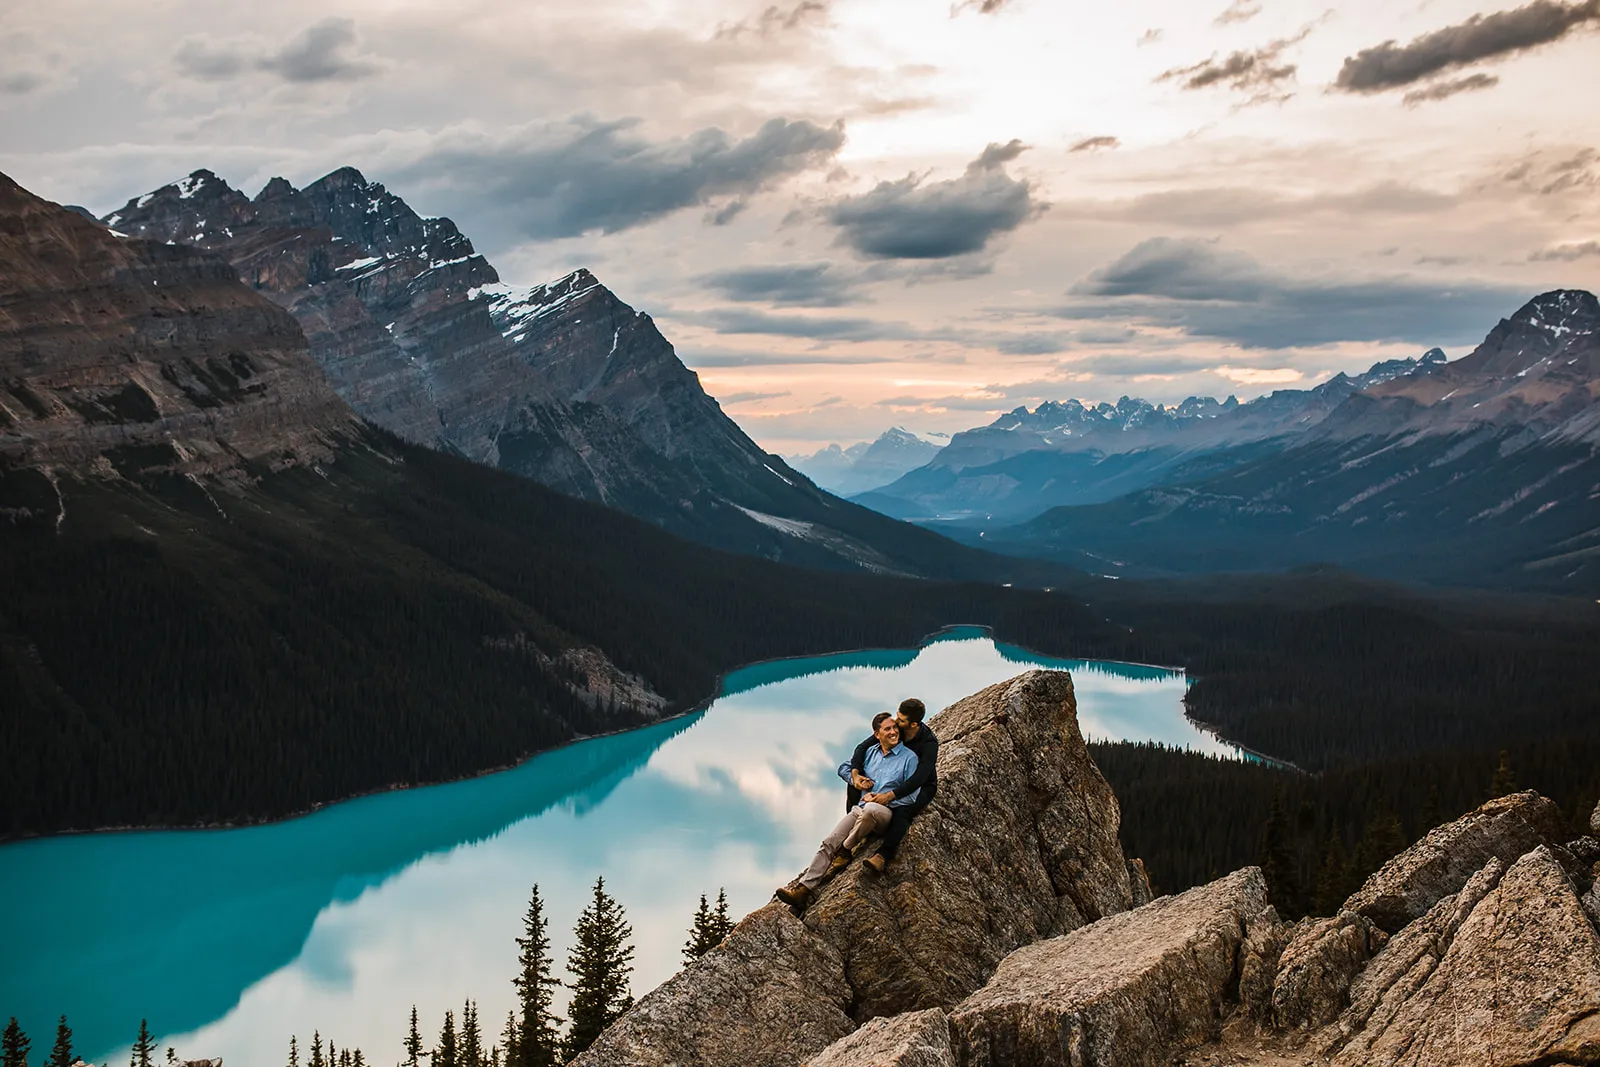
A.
pixel 1011 931
pixel 129 356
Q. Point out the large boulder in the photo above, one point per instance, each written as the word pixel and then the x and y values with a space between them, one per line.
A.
pixel 1316 967
pixel 1020 844
pixel 1129 990
pixel 1519 984
pixel 769 996
pixel 915 1039
pixel 1440 864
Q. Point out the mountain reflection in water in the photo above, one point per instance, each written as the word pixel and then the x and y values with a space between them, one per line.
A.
pixel 230 940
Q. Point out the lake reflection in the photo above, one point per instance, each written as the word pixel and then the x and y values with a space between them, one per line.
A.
pixel 229 940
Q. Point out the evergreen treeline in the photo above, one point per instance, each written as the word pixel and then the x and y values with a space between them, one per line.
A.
pixel 1194 818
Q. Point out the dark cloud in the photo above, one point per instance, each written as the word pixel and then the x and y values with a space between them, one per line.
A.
pixel 915 219
pixel 788 285
pixel 1260 73
pixel 1090 144
pixel 20 82
pixel 815 327
pixel 727 213
pixel 1238 11
pixel 1446 89
pixel 320 52
pixel 571 178
pixel 1566 253
pixel 1208 291
pixel 1390 65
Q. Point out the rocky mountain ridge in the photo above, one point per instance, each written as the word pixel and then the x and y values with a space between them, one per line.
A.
pixel 1068 452
pixel 562 383
pixel 868 464
pixel 1479 944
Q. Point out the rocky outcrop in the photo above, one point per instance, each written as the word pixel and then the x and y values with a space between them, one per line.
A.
pixel 1317 966
pixel 915 1039
pixel 1129 990
pixel 1594 820
pixel 1440 864
pixel 1519 984
pixel 1020 844
pixel 130 357
pixel 770 995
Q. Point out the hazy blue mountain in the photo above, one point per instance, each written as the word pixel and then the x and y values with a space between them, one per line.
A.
pixel 866 465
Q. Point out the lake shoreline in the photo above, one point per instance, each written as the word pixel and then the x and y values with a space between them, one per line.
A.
pixel 695 709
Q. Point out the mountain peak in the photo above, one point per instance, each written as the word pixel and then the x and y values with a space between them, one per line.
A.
pixel 1561 311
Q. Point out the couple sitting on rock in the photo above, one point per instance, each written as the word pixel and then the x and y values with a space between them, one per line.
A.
pixel 890 778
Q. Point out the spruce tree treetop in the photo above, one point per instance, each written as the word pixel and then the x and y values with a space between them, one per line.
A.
pixel 61 1052
pixel 533 1042
pixel 144 1047
pixel 600 961
pixel 14 1046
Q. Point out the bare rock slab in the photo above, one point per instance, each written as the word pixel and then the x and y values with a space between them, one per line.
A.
pixel 915 1039
pixel 1315 971
pixel 769 996
pixel 1440 864
pixel 1019 844
pixel 1129 990
pixel 1519 984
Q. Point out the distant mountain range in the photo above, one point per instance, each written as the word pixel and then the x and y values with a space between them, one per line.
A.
pixel 868 464
pixel 1026 462
pixel 1481 471
pixel 562 383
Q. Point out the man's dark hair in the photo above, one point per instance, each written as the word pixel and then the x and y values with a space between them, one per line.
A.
pixel 913 709
pixel 877 720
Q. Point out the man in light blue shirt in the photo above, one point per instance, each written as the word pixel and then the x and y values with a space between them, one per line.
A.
pixel 888 764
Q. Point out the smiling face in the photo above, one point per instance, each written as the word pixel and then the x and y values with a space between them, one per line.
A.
pixel 888 734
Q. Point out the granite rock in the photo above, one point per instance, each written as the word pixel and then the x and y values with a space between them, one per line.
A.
pixel 1317 966
pixel 1519 984
pixel 1440 864
pixel 1019 844
pixel 1132 989
pixel 915 1039
pixel 770 995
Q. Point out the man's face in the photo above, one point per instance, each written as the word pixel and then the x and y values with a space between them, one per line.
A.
pixel 889 732
pixel 907 727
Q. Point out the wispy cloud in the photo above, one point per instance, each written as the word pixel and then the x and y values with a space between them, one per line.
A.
pixel 1566 253
pixel 1481 37
pixel 1092 144
pixel 1260 72
pixel 323 51
pixel 1446 89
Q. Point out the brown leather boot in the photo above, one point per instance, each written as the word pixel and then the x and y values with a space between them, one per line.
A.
pixel 793 895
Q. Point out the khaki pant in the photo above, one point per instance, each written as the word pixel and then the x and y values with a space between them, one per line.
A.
pixel 858 823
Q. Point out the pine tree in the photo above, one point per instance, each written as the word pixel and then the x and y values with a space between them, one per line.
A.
pixel 471 1054
pixel 14 1046
pixel 294 1051
pixel 143 1046
pixel 1504 781
pixel 1382 840
pixel 721 924
pixel 1332 879
pixel 699 933
pixel 358 1060
pixel 1278 863
pixel 510 1037
pixel 600 961
pixel 316 1050
pixel 172 1055
pixel 413 1044
pixel 445 1054
pixel 61 1052
pixel 1432 813
pixel 532 1042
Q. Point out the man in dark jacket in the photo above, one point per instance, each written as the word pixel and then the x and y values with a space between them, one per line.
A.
pixel 917 736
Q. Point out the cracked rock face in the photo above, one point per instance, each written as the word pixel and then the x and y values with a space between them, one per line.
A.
pixel 1020 843
pixel 915 1039
pixel 1518 984
pixel 1132 989
pixel 1440 864
pixel 129 356
pixel 1316 968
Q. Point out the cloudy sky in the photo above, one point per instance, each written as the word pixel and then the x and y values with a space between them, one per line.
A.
pixel 851 214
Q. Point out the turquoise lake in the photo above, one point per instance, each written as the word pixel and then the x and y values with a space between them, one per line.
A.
pixel 228 941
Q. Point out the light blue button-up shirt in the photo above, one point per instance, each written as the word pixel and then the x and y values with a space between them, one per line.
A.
pixel 887 770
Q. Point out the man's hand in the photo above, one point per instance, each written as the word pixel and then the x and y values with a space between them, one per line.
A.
pixel 877 798
pixel 860 781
